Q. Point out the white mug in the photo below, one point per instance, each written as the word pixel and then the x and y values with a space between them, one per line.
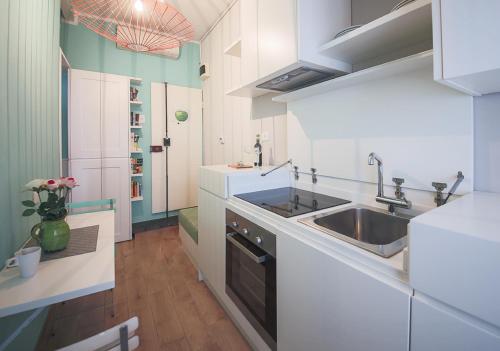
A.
pixel 27 259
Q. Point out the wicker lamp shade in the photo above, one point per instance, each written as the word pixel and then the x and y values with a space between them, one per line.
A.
pixel 139 25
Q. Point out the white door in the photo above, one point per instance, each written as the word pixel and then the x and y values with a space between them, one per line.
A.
pixel 184 154
pixel 114 116
pixel 116 185
pixel 85 115
pixel 325 303
pixel 436 327
pixel 87 172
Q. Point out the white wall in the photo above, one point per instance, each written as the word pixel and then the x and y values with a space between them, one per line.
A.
pixel 229 117
pixel 487 143
pixel 422 130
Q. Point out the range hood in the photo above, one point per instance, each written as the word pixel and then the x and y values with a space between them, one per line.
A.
pixel 298 78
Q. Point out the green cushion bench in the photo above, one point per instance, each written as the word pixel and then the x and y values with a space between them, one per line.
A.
pixel 188 219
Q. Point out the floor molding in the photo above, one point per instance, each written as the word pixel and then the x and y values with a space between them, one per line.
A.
pixel 154 224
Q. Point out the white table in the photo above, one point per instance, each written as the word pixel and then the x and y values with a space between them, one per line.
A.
pixel 65 278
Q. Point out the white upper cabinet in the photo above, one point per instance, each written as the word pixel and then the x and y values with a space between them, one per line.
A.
pixel 277 44
pixel 99 115
pixel 282 35
pixel 249 41
pixel 466 45
pixel 114 112
pixel 85 115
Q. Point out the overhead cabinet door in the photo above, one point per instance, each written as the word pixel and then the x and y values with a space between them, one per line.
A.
pixel 466 40
pixel 99 115
pixel 85 115
pixel 114 116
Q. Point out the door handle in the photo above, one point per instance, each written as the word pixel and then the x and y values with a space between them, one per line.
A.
pixel 246 251
pixel 166 142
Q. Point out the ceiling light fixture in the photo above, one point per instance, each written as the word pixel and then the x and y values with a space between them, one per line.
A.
pixel 139 25
pixel 139 6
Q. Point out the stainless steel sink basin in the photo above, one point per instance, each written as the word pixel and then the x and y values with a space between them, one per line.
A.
pixel 370 228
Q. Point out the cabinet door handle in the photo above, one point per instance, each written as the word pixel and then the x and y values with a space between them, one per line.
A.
pixel 246 251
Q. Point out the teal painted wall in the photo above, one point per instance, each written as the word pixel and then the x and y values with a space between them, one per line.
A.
pixel 86 50
pixel 29 133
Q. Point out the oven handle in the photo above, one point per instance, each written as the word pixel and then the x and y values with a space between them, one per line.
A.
pixel 250 254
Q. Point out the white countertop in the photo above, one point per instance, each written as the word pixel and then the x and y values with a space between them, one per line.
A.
pixel 391 267
pixel 65 278
pixel 476 215
pixel 455 255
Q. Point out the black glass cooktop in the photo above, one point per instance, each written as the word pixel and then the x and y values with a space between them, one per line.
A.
pixel 290 202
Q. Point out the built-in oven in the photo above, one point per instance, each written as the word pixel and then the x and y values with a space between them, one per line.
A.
pixel 251 273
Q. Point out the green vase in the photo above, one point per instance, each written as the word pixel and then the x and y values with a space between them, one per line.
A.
pixel 51 235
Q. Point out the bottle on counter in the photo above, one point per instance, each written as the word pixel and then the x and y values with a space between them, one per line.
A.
pixel 258 151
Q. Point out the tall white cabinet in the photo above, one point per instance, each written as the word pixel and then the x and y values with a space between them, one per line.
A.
pixel 99 142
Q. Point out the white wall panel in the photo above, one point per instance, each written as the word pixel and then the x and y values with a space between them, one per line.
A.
pixel 230 117
pixel 423 132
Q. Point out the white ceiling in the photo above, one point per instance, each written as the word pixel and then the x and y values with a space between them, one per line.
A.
pixel 201 13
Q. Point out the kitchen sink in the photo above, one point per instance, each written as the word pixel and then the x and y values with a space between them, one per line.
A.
pixel 369 228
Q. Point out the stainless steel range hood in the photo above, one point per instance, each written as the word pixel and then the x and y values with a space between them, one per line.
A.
pixel 298 78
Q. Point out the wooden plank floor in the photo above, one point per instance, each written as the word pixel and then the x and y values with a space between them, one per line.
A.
pixel 155 281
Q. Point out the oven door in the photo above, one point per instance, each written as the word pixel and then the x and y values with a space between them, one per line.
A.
pixel 251 284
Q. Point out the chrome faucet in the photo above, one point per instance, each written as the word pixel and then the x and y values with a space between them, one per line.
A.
pixel 372 157
pixel 399 200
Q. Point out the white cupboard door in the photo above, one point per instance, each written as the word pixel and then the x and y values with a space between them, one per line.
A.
pixel 435 327
pixel 466 36
pixel 116 185
pixel 87 173
pixel 212 240
pixel 85 115
pixel 249 37
pixel 206 247
pixel 325 303
pixel 114 116
pixel 277 44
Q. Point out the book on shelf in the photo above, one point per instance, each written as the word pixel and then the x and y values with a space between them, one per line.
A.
pixel 136 119
pixel 135 189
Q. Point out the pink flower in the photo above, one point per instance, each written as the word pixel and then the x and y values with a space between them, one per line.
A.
pixel 52 184
pixel 69 182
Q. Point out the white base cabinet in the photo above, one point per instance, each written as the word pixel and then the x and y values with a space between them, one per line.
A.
pixel 212 239
pixel 325 303
pixel 466 49
pixel 105 179
pixel 435 327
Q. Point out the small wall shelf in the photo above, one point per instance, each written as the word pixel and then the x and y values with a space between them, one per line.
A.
pixel 136 102
pixel 136 175
pixel 407 64
pixel 137 198
pixel 136 151
pixel 234 49
pixel 135 127
pixel 410 25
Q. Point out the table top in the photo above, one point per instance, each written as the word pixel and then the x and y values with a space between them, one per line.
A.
pixel 65 278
